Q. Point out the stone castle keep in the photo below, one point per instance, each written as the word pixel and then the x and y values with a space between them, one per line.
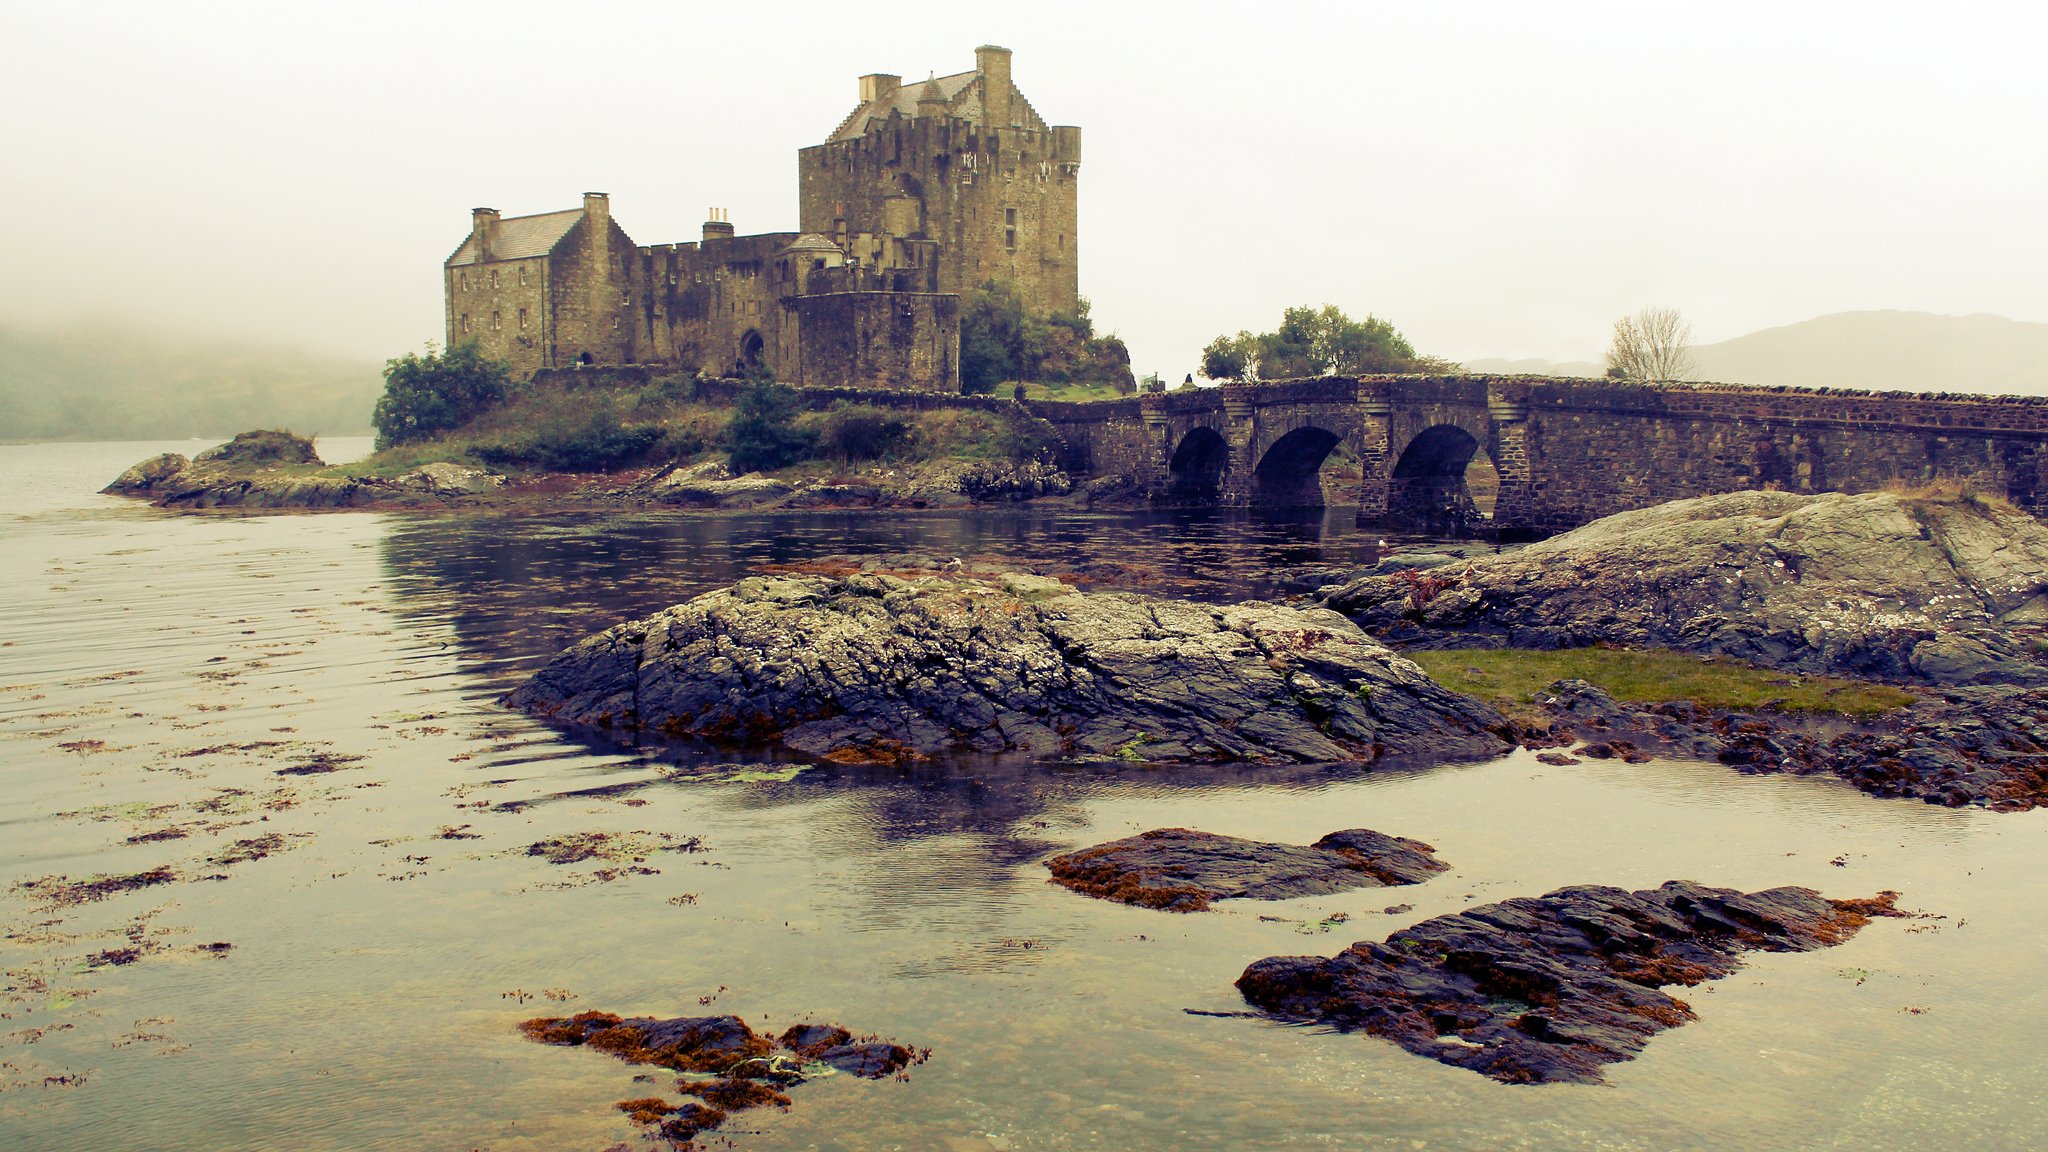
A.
pixel 921 194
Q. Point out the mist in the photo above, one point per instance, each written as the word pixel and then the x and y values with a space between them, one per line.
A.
pixel 1496 179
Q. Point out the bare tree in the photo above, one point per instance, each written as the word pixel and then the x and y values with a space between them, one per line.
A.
pixel 1653 346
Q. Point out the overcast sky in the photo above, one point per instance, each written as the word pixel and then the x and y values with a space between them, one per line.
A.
pixel 1498 179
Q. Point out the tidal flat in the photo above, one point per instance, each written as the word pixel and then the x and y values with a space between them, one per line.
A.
pixel 289 729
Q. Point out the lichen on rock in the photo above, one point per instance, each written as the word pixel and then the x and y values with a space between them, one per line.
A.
pixel 870 667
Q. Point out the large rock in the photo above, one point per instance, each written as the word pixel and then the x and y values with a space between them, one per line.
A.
pixel 873 667
pixel 1181 870
pixel 443 478
pixel 148 476
pixel 1549 988
pixel 1952 590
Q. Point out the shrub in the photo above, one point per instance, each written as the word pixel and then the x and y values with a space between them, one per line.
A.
pixel 427 395
pixel 596 443
pixel 763 435
pixel 853 432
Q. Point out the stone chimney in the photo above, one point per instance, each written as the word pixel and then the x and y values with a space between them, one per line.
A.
pixel 718 226
pixel 597 208
pixel 483 224
pixel 878 85
pixel 994 65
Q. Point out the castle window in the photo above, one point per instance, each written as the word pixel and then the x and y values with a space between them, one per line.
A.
pixel 522 319
pixel 465 323
pixel 1010 217
pixel 494 278
pixel 1009 239
pixel 496 323
pixel 522 277
pixel 615 323
pixel 462 281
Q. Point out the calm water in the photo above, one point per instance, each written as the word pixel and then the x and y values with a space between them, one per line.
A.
pixel 157 671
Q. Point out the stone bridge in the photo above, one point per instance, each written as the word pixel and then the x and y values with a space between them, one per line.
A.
pixel 1561 452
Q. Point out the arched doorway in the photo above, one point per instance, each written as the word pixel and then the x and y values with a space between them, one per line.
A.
pixel 1197 468
pixel 751 347
pixel 1440 481
pixel 1287 474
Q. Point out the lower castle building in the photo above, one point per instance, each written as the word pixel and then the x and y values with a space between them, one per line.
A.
pixel 922 193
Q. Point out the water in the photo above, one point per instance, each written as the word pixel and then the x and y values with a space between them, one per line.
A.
pixel 156 671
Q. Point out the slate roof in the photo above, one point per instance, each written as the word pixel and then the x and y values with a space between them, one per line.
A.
pixel 963 98
pixel 519 237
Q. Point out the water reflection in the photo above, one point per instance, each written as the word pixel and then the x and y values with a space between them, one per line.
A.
pixel 519 589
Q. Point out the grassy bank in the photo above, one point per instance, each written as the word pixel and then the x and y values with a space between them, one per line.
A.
pixel 1513 676
pixel 604 427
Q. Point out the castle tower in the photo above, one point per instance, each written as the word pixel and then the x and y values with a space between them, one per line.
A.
pixel 959 170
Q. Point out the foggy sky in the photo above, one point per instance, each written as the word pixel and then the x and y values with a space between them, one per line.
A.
pixel 1497 179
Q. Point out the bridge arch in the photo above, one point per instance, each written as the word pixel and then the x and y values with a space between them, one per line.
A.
pixel 1199 462
pixel 1443 482
pixel 1287 475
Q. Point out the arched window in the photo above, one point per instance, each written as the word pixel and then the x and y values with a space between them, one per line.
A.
pixel 496 322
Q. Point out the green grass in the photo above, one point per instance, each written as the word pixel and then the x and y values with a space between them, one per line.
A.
pixel 1645 676
pixel 1074 392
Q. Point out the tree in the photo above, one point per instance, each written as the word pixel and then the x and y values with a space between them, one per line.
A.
pixel 762 435
pixel 1232 358
pixel 1653 346
pixel 426 395
pixel 1001 341
pixel 1315 342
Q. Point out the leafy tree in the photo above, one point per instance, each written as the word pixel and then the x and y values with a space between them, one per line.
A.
pixel 762 435
pixel 1315 342
pixel 1232 358
pixel 426 395
pixel 1000 340
pixel 1653 346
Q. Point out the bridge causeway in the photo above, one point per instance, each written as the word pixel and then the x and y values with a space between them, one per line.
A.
pixel 1564 451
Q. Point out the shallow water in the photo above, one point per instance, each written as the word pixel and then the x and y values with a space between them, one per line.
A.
pixel 156 671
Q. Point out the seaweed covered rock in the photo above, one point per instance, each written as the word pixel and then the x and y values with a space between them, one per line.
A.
pixel 1181 870
pixel 727 1066
pixel 870 667
pixel 1945 589
pixel 1550 988
pixel 1984 746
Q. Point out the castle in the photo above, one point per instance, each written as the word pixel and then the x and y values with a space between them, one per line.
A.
pixel 921 194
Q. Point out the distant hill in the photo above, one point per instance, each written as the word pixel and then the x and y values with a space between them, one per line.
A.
pixel 1885 351
pixel 79 384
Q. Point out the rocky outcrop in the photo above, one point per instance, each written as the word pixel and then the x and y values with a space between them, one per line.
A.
pixel 1950 590
pixel 749 1070
pixel 1982 746
pixel 442 478
pixel 145 478
pixel 1551 988
pixel 1181 870
pixel 711 485
pixel 871 667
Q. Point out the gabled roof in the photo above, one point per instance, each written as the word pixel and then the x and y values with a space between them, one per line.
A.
pixel 963 99
pixel 520 237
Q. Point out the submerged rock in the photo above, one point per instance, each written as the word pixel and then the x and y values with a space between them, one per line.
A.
pixel 1952 590
pixel 742 1068
pixel 1551 988
pixel 1181 870
pixel 872 668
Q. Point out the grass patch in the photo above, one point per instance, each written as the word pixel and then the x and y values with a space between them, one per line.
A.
pixel 1064 391
pixel 1648 676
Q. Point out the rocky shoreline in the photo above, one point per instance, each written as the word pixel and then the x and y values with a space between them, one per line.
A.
pixel 299 481
pixel 1182 870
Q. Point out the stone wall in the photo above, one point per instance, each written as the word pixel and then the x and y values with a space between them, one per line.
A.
pixel 888 340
